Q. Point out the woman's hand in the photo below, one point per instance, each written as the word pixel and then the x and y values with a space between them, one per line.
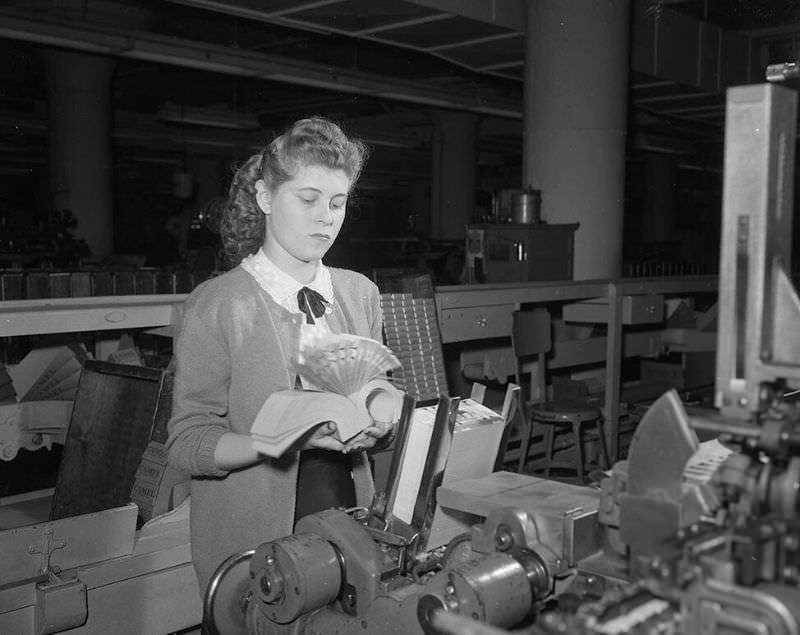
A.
pixel 322 437
pixel 381 408
pixel 370 436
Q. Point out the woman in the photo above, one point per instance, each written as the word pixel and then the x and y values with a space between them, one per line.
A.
pixel 240 332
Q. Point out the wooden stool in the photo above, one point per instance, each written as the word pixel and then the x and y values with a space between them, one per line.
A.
pixel 573 415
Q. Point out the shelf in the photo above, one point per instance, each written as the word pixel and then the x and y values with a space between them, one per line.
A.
pixel 68 315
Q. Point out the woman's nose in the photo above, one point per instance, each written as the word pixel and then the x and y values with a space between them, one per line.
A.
pixel 323 213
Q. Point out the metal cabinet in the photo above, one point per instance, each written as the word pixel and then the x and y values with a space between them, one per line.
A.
pixel 520 252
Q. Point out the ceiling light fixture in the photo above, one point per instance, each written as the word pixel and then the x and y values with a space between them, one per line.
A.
pixel 210 117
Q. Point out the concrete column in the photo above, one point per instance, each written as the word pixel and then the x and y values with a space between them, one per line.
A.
pixel 576 79
pixel 79 115
pixel 455 158
pixel 658 212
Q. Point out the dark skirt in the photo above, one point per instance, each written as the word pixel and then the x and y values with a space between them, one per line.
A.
pixel 324 480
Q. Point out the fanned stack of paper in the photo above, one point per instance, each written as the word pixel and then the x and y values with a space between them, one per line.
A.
pixel 37 397
pixel 343 363
pixel 48 374
pixel 287 415
pixel 347 373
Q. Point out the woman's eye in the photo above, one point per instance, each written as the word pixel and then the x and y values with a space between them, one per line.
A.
pixel 308 201
pixel 338 203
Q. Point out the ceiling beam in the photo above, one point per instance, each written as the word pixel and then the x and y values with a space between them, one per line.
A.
pixel 101 39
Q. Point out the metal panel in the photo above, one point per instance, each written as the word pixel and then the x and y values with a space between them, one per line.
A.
pixel 67 543
pixel 636 309
pixel 756 240
pixel 476 323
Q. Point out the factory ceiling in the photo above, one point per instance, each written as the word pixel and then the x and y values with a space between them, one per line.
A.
pixel 384 66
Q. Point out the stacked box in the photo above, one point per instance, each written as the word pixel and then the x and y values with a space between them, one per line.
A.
pixel 123 282
pixel 102 283
pixel 80 283
pixel 37 285
pixel 13 285
pixel 60 284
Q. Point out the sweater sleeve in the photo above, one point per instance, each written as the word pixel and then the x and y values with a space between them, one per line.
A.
pixel 376 313
pixel 200 396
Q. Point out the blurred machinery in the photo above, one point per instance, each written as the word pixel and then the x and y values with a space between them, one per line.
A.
pixel 712 539
pixel 682 537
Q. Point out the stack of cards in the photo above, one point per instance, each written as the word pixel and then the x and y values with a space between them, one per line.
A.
pixel 48 374
pixel 412 332
pixel 287 415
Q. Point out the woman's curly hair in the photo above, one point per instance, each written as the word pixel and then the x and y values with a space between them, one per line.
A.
pixel 313 141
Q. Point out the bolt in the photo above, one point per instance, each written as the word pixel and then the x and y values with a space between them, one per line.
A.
pixel 742 401
pixel 270 561
pixel 503 539
pixel 450 589
pixel 244 601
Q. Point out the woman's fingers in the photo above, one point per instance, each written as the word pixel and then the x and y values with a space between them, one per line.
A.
pixel 378 430
pixel 326 429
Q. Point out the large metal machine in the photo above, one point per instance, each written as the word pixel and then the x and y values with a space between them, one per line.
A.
pixel 682 537
pixel 713 545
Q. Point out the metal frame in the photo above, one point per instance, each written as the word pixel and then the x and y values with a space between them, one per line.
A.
pixel 488 310
pixel 759 309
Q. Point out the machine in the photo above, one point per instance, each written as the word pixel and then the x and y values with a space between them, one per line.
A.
pixel 683 536
pixel 712 545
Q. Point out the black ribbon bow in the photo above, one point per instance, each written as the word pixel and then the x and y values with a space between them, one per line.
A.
pixel 311 303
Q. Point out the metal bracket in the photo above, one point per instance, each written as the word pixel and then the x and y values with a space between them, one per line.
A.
pixel 60 605
pixel 46 548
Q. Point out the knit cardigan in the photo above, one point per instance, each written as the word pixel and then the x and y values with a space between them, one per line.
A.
pixel 231 353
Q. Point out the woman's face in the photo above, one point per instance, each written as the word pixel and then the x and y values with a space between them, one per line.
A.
pixel 304 215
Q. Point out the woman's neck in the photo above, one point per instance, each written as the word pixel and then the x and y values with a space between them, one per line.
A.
pixel 304 271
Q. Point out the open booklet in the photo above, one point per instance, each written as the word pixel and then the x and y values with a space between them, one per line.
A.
pixel 289 414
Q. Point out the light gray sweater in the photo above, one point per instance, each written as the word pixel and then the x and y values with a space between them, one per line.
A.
pixel 231 353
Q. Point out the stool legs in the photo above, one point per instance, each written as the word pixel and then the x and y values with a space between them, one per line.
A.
pixel 549 445
pixel 603 446
pixel 549 438
pixel 525 441
pixel 576 434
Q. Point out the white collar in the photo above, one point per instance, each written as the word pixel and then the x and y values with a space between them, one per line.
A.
pixel 281 286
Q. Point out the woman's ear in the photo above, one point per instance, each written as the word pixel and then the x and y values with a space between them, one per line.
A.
pixel 263 196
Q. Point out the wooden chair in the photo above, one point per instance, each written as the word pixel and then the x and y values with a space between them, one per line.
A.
pixel 530 337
